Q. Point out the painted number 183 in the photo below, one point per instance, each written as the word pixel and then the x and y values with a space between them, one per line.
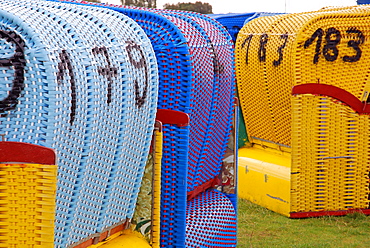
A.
pixel 333 38
pixel 263 40
pixel 326 43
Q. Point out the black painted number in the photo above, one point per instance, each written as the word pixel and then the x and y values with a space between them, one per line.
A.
pixel 248 39
pixel 262 49
pixel 18 62
pixel 355 44
pixel 330 49
pixel 139 63
pixel 107 71
pixel 284 37
pixel 316 35
pixel 217 66
pixel 64 65
pixel 333 37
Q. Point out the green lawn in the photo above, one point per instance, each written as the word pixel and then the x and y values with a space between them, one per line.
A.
pixel 260 227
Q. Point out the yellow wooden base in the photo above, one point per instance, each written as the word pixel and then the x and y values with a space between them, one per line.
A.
pixel 264 178
pixel 124 239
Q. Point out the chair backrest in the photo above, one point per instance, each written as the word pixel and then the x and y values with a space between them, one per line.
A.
pixel 196 71
pixel 89 83
pixel 321 59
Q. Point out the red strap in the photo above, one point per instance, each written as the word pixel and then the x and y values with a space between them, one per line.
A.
pixel 334 92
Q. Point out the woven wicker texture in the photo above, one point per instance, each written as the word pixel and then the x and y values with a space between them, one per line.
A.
pixel 202 98
pixel 330 170
pixel 213 76
pixel 146 218
pixel 233 22
pixel 190 82
pixel 156 229
pixel 221 93
pixel 339 136
pixel 209 167
pixel 90 106
pixel 328 138
pixel 176 84
pixel 267 44
pixel 27 205
pixel 215 209
pixel 251 83
pixel 177 80
pixel 221 100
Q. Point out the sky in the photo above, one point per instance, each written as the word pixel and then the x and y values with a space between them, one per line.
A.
pixel 280 6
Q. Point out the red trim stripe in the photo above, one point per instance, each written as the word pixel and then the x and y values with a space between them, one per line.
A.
pixel 334 92
pixel 327 213
pixel 26 153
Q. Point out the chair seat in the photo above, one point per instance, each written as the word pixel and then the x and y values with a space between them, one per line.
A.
pixel 210 221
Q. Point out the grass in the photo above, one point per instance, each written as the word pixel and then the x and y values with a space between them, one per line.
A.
pixel 260 227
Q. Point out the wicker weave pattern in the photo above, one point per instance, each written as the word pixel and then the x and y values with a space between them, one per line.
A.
pixel 328 137
pixel 202 93
pixel 203 164
pixel 330 169
pixel 222 99
pixel 216 209
pixel 193 75
pixel 203 36
pixel 218 127
pixel 27 205
pixel 95 153
pixel 273 82
pixel 175 92
pixel 190 82
pixel 253 98
pixel 338 135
